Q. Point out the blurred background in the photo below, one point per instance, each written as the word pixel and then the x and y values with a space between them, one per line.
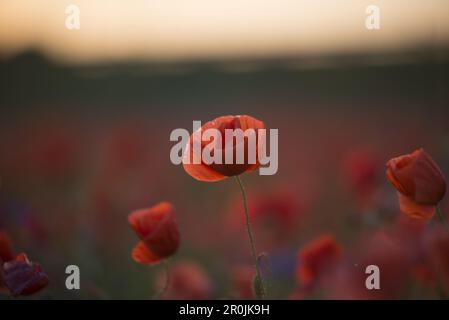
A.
pixel 85 119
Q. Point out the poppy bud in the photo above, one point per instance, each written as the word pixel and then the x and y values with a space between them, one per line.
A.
pixel 419 181
pixel 158 230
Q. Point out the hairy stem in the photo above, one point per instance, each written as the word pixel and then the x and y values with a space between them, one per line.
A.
pixel 161 293
pixel 262 293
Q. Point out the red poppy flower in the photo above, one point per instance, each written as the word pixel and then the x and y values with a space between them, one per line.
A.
pixel 198 169
pixel 276 216
pixel 437 249
pixel 279 207
pixel 6 253
pixel 23 277
pixel 316 258
pixel 419 182
pixel 158 230
pixel 188 281
pixel 383 249
pixel 360 170
pixel 242 278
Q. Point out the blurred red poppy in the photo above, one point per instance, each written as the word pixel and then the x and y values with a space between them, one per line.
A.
pixel 274 207
pixel 360 169
pixel 276 214
pixel 385 250
pixel 188 281
pixel 158 230
pixel 316 258
pixel 44 150
pixel 437 246
pixel 419 181
pixel 216 172
pixel 242 282
pixel 23 277
pixel 6 253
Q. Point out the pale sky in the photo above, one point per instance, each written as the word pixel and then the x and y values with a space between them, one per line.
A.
pixel 194 29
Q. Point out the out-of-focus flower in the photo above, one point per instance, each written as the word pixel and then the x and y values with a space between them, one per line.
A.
pixel 419 181
pixel 276 206
pixel 158 230
pixel 45 150
pixel 34 228
pixel 242 278
pixel 216 172
pixel 424 275
pixel 437 244
pixel 187 281
pixel 360 169
pixel 317 258
pixel 124 147
pixel 384 250
pixel 6 253
pixel 276 216
pixel 23 277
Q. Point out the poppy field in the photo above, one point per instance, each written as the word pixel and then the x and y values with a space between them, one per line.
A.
pixel 360 188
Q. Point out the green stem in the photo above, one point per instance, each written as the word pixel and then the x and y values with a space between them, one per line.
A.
pixel 167 280
pixel 440 214
pixel 262 293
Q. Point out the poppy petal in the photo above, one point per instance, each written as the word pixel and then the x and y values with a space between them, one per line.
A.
pixel 164 241
pixel 400 172
pixel 144 221
pixel 203 173
pixel 6 253
pixel 429 180
pixel 142 254
pixel 415 210
pixel 197 169
pixel 317 256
